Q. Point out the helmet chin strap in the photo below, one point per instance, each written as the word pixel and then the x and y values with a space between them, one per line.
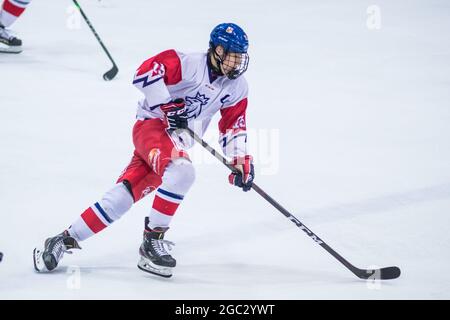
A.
pixel 218 62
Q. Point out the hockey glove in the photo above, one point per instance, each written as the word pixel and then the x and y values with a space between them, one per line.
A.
pixel 176 114
pixel 246 172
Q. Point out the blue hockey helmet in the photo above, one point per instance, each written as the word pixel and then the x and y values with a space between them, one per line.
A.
pixel 230 36
pixel 234 41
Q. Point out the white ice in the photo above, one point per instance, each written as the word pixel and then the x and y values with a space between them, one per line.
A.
pixel 350 120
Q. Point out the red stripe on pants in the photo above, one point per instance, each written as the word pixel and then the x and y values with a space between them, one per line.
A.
pixel 12 8
pixel 164 206
pixel 93 222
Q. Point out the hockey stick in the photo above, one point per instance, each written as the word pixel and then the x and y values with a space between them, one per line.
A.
pixel 109 75
pixel 382 274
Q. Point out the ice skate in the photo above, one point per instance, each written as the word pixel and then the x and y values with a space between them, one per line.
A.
pixel 154 257
pixel 8 42
pixel 47 259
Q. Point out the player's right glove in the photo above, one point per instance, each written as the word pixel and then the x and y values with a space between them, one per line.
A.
pixel 245 174
pixel 176 114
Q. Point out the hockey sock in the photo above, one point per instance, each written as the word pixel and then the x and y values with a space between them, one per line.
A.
pixel 97 217
pixel 176 182
pixel 11 10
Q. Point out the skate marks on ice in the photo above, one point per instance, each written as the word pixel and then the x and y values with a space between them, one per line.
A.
pixel 106 271
pixel 46 60
pixel 379 204
pixel 244 274
pixel 328 214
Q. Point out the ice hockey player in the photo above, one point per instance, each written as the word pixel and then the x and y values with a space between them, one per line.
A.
pixel 9 13
pixel 181 90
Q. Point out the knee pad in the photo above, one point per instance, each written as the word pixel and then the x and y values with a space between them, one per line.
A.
pixel 116 201
pixel 179 175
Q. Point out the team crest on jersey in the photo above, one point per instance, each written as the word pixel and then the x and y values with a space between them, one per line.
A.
pixel 195 104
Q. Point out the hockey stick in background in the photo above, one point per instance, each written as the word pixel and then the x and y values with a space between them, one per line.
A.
pixel 109 75
pixel 382 274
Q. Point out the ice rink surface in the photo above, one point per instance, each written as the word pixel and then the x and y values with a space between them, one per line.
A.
pixel 349 117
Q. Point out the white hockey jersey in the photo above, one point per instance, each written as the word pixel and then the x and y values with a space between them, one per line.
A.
pixel 171 74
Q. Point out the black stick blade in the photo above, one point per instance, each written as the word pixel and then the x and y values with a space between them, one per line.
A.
pixel 387 273
pixel 109 75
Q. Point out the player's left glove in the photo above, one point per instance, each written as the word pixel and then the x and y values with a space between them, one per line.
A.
pixel 176 114
pixel 246 172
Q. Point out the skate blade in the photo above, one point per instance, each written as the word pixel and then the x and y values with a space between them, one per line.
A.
pixel 8 49
pixel 39 264
pixel 147 266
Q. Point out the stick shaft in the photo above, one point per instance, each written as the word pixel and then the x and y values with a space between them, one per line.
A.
pixel 278 206
pixel 93 31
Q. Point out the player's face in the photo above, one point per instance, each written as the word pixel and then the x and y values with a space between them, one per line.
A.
pixel 232 62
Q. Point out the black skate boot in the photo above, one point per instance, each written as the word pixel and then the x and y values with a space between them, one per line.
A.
pixel 154 257
pixel 55 247
pixel 8 42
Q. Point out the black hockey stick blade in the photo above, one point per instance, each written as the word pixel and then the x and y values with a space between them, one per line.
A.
pixel 109 75
pixel 386 273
